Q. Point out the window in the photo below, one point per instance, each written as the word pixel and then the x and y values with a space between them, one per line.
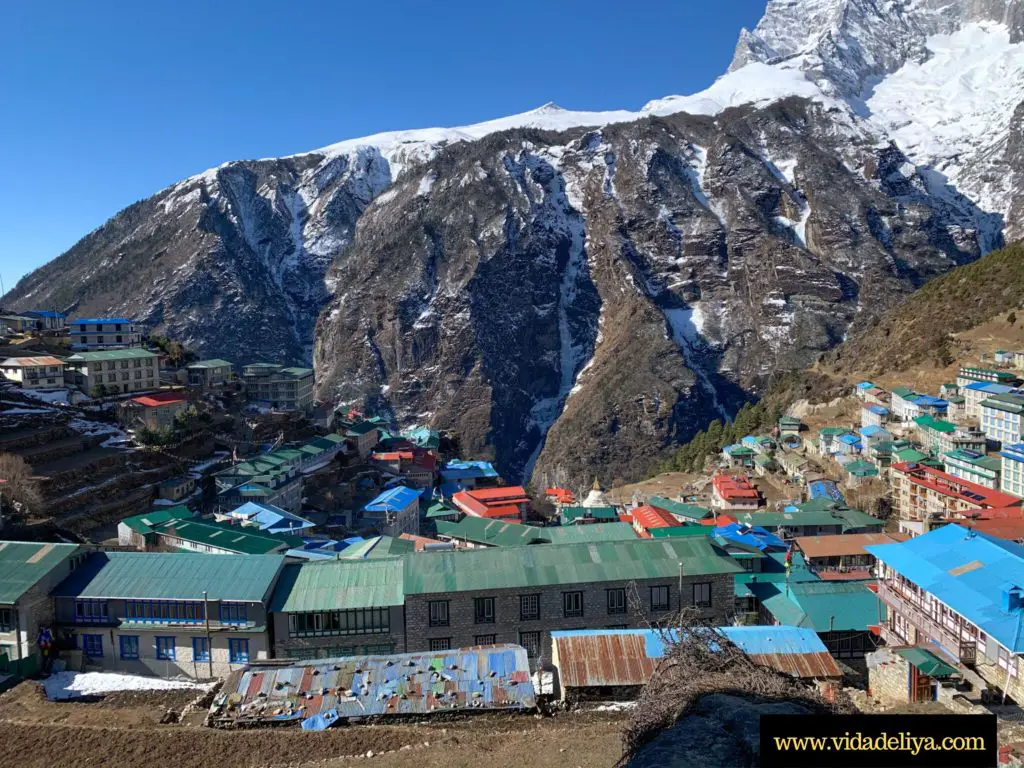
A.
pixel 85 340
pixel 483 610
pixel 572 604
pixel 99 339
pixel 92 646
pixel 90 611
pixel 129 646
pixel 118 339
pixel 484 639
pixel 438 613
pixel 233 613
pixel 165 612
pixel 659 598
pixel 6 619
pixel 531 642
pixel 364 621
pixel 200 649
pixel 702 594
pixel 441 644
pixel 616 600
pixel 529 607
pixel 238 650
pixel 165 648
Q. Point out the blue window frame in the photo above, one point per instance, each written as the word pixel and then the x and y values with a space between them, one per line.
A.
pixel 91 611
pixel 234 613
pixel 165 612
pixel 129 646
pixel 92 646
pixel 238 650
pixel 200 649
pixel 165 648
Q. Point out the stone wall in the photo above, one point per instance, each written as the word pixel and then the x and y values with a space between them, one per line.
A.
pixel 888 677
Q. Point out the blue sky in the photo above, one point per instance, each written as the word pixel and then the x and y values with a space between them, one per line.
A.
pixel 104 103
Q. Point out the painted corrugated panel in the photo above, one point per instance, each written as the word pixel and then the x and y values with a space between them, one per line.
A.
pixel 172 576
pixel 485 677
pixel 615 659
pixel 23 564
pixel 340 585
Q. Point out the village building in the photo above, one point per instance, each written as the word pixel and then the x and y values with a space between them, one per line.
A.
pixel 818 517
pixel 416 467
pixel 842 613
pixel 268 519
pixel 969 375
pixel 114 371
pixel 739 456
pixel 209 373
pixel 898 676
pixel 156 411
pixel 169 614
pixel 28 572
pixel 935 434
pixel 955 592
pixel 974 394
pixel 872 415
pixel 519 595
pixel 789 425
pixel 922 495
pixel 177 488
pixel 1012 469
pixel 1003 358
pixel 458 475
pixel 47 322
pixel 682 512
pixel 366 435
pixel 41 372
pixel 843 556
pixel 274 386
pixel 957 411
pixel 608 664
pixel 860 389
pixel 509 503
pixel 17 323
pixel 99 333
pixel 907 404
pixel 645 518
pixel 858 472
pixel 587 515
pixel 1001 418
pixel 395 511
pixel 734 493
pixel 973 466
pixel 268 479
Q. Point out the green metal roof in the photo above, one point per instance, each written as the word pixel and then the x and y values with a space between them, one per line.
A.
pixel 936 425
pixel 144 523
pixel 762 460
pixel 501 534
pixel 214 363
pixel 109 354
pixel 1007 403
pixel 861 468
pixel 339 585
pixel 557 564
pixel 991 463
pixel 773 570
pixel 172 576
pixel 296 373
pixel 821 605
pixel 690 511
pixel 927 662
pixel 23 564
pixel 677 531
pixel 439 509
pixel 910 454
pixel 228 537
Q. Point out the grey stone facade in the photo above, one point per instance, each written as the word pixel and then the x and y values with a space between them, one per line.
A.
pixel 288 646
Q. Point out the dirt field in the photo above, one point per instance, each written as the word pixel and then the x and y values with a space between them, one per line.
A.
pixel 123 730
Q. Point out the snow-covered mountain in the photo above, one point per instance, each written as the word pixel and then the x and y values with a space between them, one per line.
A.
pixel 574 291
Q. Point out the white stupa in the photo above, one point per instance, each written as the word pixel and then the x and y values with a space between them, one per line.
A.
pixel 596 496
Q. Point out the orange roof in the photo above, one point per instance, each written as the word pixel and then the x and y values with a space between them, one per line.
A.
pixel 845 543
pixel 734 487
pixel 647 517
pixel 159 399
pixel 512 494
pixel 950 485
pixel 501 508
pixel 719 521
pixel 25 362
pixel 560 494
pixel 420 541
pixel 1011 529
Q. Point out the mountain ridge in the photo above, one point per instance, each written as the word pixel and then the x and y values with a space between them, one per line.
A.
pixel 741 230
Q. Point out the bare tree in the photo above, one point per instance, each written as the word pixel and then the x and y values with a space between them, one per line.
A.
pixel 17 483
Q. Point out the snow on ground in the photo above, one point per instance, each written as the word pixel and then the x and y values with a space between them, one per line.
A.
pixel 59 396
pixel 687 326
pixel 70 685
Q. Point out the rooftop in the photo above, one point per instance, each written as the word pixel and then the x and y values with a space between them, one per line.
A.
pixel 26 362
pixel 23 564
pixel 824 606
pixel 110 354
pixel 949 485
pixel 679 509
pixel 340 585
pixel 159 399
pixel 966 570
pixel 393 500
pixel 844 543
pixel 214 363
pixel 231 538
pixel 93 320
pixel 556 564
pixel 498 533
pixel 935 425
pixel 172 576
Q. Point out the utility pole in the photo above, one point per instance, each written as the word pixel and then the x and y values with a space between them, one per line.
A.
pixel 209 641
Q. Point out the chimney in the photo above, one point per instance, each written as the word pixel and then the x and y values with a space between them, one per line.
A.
pixel 1011 598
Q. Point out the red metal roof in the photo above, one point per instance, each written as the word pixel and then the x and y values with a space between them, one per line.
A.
pixel 159 399
pixel 512 494
pixel 599 660
pixel 647 517
pixel 26 362
pixel 734 487
pixel 844 543
pixel 500 506
pixel 949 485
pixel 1009 528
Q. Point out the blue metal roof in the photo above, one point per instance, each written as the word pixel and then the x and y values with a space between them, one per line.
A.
pixel 83 320
pixel 849 439
pixel 936 402
pixel 865 385
pixel 989 387
pixel 969 572
pixel 872 429
pixel 819 489
pixel 780 639
pixel 468 470
pixel 393 500
pixel 270 518
pixel 879 410
pixel 1014 452
pixel 753 536
pixel 42 313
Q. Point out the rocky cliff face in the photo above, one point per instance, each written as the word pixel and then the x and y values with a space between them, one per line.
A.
pixel 572 292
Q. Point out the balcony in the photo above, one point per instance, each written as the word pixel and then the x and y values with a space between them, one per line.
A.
pixel 893 596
